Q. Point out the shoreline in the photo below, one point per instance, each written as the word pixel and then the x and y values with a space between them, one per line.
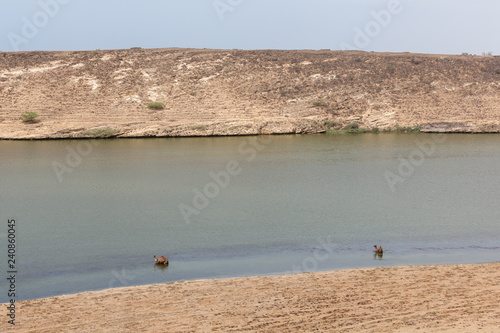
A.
pixel 241 135
pixel 435 298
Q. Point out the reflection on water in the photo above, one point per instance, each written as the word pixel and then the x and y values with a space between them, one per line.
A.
pixel 161 267
pixel 101 224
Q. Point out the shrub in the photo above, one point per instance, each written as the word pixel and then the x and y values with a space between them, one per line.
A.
pixel 330 124
pixel 101 133
pixel 391 68
pixel 29 117
pixel 351 126
pixel 156 105
pixel 375 130
pixel 497 71
pixel 319 103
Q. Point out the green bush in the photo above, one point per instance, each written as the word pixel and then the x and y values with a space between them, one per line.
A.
pixel 156 105
pixel 101 133
pixel 29 117
pixel 375 130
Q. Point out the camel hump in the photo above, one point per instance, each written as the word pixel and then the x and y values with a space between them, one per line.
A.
pixel 161 260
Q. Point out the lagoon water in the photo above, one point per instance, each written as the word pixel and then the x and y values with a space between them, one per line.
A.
pixel 91 214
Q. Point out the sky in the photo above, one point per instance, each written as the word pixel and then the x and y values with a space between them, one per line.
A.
pixel 420 26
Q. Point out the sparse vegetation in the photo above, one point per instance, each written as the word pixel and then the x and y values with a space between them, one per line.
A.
pixel 156 105
pixel 199 127
pixel 331 124
pixel 29 117
pixel 319 103
pixel 408 129
pixel 446 59
pixel 358 130
pixel 390 68
pixel 416 61
pixel 327 125
pixel 375 130
pixel 351 126
pixel 101 133
pixel 497 71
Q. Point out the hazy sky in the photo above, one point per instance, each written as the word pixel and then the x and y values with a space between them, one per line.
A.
pixel 425 26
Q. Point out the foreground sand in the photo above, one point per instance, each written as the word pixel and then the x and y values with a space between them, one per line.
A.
pixel 447 298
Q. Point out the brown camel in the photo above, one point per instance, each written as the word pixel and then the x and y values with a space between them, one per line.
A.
pixel 378 249
pixel 161 260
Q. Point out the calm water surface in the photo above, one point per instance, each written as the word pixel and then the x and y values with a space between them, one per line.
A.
pixel 292 203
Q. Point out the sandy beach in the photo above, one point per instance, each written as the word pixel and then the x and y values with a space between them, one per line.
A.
pixel 441 298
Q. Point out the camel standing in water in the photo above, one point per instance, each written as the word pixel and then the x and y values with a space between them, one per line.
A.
pixel 161 260
pixel 378 249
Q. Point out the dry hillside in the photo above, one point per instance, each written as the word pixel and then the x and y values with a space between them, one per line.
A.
pixel 235 92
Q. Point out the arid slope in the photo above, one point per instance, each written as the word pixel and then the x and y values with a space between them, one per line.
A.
pixel 234 92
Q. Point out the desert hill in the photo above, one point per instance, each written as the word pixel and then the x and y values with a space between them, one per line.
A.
pixel 236 92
